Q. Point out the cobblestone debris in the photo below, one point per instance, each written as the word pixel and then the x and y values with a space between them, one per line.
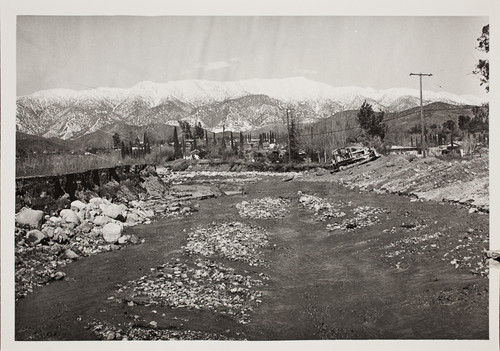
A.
pixel 467 252
pixel 264 208
pixel 231 240
pixel 363 216
pixel 150 331
pixel 322 209
pixel 198 284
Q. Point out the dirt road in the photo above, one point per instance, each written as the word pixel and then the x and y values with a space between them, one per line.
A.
pixel 396 269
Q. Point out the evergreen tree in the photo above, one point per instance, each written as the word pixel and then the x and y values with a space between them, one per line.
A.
pixel 198 131
pixel 223 145
pixel 294 144
pixel 371 121
pixel 241 145
pixel 147 147
pixel 123 151
pixel 116 141
pixel 177 145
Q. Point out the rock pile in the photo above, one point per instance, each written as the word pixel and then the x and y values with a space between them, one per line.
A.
pixel 197 284
pixel 82 230
pixel 264 208
pixel 323 209
pixel 234 241
pixel 364 216
pixel 148 331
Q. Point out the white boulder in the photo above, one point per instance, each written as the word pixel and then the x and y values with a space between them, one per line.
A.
pixel 101 220
pixel 77 205
pixel 111 232
pixel 34 236
pixel 112 210
pixel 30 217
pixel 69 216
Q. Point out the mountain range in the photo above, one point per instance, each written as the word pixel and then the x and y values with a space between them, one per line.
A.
pixel 237 105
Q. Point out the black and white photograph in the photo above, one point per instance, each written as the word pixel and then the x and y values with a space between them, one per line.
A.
pixel 245 177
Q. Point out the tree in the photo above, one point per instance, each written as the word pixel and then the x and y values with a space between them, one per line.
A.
pixel 294 144
pixel 116 141
pixel 241 145
pixel 463 123
pixel 371 121
pixel 450 126
pixel 177 145
pixel 147 147
pixel 186 129
pixel 122 148
pixel 232 141
pixel 198 131
pixel 483 67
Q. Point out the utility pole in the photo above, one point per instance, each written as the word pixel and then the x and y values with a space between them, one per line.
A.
pixel 422 111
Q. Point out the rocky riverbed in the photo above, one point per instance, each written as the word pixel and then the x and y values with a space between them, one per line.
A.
pixel 199 257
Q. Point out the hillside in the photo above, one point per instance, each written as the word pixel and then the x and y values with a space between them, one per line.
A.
pixel 31 144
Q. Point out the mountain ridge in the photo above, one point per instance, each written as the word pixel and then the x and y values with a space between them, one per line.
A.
pixel 237 105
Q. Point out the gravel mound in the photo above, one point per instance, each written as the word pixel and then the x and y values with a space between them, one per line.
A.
pixel 265 208
pixel 201 284
pixel 323 209
pixel 234 241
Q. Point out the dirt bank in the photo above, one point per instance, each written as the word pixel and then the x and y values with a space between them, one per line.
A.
pixel 464 182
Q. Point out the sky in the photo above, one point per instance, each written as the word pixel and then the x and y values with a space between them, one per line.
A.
pixel 83 52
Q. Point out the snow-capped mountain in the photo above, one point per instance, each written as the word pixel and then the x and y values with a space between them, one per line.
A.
pixel 238 105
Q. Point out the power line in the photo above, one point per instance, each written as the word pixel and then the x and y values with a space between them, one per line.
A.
pixel 386 120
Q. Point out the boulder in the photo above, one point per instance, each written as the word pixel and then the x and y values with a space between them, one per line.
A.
pixel 70 254
pixel 81 215
pixel 77 205
pixel 48 231
pixel 133 218
pixel 133 239
pixel 69 216
pixel 27 216
pixel 101 220
pixel 123 239
pixel 111 232
pixel 55 249
pixel 112 210
pixel 154 186
pixel 98 201
pixel 85 227
pixel 34 237
pixel 59 275
pixel 56 220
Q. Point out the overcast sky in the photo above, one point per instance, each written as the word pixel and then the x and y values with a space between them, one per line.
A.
pixel 79 52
